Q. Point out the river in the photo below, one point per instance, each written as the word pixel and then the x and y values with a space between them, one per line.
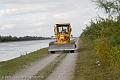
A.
pixel 10 50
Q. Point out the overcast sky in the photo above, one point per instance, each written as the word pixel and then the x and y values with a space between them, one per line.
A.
pixel 37 17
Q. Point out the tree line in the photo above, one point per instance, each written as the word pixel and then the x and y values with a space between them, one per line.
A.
pixel 25 38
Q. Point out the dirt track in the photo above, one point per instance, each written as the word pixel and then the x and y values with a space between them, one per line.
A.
pixel 65 70
pixel 28 72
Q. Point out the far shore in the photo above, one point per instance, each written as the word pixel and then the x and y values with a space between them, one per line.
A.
pixel 25 40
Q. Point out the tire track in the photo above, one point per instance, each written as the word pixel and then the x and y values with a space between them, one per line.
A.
pixel 44 73
pixel 65 70
pixel 29 72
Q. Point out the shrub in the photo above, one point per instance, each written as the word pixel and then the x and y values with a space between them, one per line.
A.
pixel 115 57
pixel 102 49
pixel 104 36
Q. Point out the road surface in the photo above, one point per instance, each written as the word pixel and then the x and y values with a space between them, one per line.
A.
pixel 30 71
pixel 65 70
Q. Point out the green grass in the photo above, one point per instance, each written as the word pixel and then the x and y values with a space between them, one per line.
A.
pixel 43 74
pixel 87 67
pixel 103 34
pixel 103 37
pixel 8 68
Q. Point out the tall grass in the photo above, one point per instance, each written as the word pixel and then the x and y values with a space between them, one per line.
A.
pixel 104 35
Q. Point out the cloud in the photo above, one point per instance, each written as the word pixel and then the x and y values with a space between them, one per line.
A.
pixel 37 17
pixel 7 11
pixel 7 26
pixel 30 1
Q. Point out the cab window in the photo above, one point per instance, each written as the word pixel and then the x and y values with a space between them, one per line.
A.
pixel 63 29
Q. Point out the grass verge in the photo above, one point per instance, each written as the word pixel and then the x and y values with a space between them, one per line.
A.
pixel 88 66
pixel 8 68
pixel 43 74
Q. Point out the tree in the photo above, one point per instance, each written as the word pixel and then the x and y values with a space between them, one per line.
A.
pixel 111 7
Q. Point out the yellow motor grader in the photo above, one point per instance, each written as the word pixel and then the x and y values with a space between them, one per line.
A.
pixel 63 40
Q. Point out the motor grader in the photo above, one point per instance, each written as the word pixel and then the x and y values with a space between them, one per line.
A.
pixel 63 40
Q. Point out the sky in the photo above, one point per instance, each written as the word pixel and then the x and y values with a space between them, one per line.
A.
pixel 38 17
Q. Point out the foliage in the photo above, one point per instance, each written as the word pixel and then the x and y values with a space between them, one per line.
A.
pixel 25 38
pixel 104 35
pixel 111 7
pixel 102 48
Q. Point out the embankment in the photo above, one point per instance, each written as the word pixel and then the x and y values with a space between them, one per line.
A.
pixel 8 68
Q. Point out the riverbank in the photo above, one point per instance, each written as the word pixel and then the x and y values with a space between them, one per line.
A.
pixel 13 50
pixel 8 68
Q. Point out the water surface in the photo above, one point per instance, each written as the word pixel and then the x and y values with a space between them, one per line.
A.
pixel 10 50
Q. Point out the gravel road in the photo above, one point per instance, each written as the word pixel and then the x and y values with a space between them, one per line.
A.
pixel 28 72
pixel 65 70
